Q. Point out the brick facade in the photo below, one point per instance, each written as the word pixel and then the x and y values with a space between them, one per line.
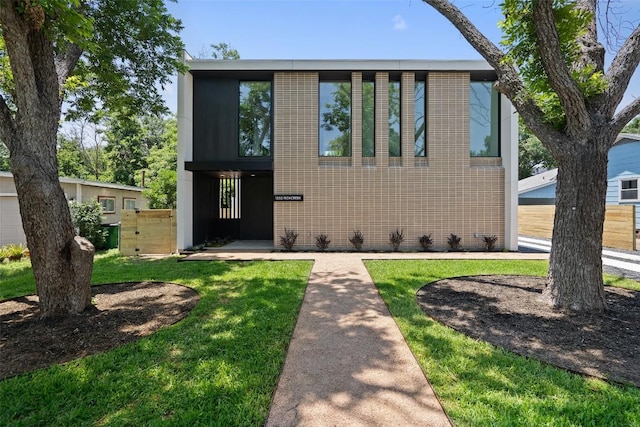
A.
pixel 444 194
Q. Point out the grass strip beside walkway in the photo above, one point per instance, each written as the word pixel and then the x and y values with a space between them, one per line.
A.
pixel 481 385
pixel 217 367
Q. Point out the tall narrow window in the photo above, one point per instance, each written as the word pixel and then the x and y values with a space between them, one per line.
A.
pixel 335 119
pixel 484 125
pixel 229 203
pixel 394 120
pixel 419 107
pixel 255 119
pixel 368 119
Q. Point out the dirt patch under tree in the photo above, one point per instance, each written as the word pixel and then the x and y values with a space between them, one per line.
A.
pixel 122 312
pixel 506 312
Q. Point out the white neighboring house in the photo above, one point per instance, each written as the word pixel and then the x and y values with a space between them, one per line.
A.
pixel 113 198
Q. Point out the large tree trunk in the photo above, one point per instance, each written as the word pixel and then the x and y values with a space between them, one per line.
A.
pixel 62 262
pixel 575 267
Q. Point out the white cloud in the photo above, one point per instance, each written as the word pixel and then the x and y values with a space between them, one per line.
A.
pixel 399 23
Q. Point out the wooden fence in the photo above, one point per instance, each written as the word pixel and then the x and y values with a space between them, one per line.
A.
pixel 150 231
pixel 619 224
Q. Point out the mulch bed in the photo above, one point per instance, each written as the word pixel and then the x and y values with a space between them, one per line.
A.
pixel 122 312
pixel 506 312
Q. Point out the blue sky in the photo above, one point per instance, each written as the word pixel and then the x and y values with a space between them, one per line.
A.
pixel 338 29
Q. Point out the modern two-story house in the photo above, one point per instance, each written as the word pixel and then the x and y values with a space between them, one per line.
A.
pixel 332 147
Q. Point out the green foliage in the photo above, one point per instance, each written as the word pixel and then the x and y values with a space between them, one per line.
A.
pixel 217 367
pixel 13 252
pixel 223 51
pixel 134 50
pixel 520 41
pixel 71 159
pixel 531 153
pixel 633 126
pixel 481 385
pixel 161 192
pixel 87 218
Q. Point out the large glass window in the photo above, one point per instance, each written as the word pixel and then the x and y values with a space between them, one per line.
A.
pixel 255 119
pixel 419 107
pixel 394 120
pixel 368 119
pixel 335 119
pixel 484 127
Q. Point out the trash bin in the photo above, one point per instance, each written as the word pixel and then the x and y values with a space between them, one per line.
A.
pixel 113 236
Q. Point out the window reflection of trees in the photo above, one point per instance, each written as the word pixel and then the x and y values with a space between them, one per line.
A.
pixel 419 148
pixel 484 121
pixel 255 119
pixel 335 119
pixel 394 119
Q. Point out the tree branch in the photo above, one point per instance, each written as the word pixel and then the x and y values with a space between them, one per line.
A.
pixel 66 62
pixel 621 70
pixel 560 79
pixel 621 119
pixel 509 82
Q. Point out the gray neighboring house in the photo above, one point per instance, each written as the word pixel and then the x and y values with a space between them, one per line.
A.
pixel 114 198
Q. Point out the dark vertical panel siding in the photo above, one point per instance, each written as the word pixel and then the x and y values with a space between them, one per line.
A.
pixel 215 119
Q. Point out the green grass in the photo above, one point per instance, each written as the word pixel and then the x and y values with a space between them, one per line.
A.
pixel 481 385
pixel 217 367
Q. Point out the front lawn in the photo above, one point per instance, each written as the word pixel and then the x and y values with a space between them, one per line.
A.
pixel 481 385
pixel 217 367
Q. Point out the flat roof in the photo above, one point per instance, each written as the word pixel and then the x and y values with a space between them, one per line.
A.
pixel 81 181
pixel 336 65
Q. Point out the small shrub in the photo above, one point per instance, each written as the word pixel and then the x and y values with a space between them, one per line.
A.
pixel 425 241
pixel 490 242
pixel 289 239
pixel 396 238
pixel 87 219
pixel 357 240
pixel 454 242
pixel 13 252
pixel 322 242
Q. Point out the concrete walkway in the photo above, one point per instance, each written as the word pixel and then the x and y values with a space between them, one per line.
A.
pixel 348 363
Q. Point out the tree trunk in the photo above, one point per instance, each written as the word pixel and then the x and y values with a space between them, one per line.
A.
pixel 575 266
pixel 62 262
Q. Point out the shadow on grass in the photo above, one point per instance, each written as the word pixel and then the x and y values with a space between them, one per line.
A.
pixel 218 366
pixel 480 384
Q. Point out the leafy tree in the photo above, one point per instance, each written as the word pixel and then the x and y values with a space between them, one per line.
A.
pixel 531 154
pixel 552 69
pixel 71 161
pixel 161 175
pixel 87 219
pixel 89 137
pixel 633 126
pixel 126 149
pixel 114 54
pixel 220 51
